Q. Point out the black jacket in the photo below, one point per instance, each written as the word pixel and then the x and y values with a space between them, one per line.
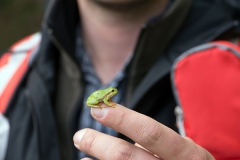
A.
pixel 43 112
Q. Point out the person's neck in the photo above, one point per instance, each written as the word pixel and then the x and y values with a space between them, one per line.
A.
pixel 110 32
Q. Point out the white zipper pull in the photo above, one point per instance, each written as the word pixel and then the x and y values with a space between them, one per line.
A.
pixel 180 120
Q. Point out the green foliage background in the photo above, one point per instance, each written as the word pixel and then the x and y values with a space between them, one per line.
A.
pixel 19 18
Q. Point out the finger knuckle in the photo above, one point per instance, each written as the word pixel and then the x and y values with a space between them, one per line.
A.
pixel 121 120
pixel 123 152
pixel 151 134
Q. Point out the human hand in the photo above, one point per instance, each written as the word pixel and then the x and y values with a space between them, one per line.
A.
pixel 154 141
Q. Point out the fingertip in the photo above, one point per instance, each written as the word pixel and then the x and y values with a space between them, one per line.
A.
pixel 86 159
pixel 78 137
pixel 99 113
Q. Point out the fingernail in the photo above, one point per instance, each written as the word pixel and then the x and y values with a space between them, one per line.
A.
pixel 99 113
pixel 78 137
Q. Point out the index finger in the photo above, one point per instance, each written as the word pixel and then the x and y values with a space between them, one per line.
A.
pixel 146 131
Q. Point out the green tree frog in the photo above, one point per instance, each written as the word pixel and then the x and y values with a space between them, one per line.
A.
pixel 98 97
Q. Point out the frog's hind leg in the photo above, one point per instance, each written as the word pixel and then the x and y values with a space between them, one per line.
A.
pixel 109 102
pixel 113 103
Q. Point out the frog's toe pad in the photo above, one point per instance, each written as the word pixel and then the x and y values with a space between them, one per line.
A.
pixel 112 104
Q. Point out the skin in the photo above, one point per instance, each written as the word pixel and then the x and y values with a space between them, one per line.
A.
pixel 102 96
pixel 154 141
pixel 102 21
pixel 110 34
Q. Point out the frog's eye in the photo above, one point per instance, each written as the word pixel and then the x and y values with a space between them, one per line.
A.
pixel 113 90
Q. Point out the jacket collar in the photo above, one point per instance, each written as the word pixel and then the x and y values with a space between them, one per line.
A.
pixel 154 39
pixel 60 21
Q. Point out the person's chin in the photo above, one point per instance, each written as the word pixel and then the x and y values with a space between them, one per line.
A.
pixel 121 4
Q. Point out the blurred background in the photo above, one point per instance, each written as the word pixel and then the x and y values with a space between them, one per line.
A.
pixel 19 18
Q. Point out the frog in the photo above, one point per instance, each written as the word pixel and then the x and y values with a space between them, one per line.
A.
pixel 98 97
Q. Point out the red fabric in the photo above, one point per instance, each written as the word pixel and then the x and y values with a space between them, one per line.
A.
pixel 17 76
pixel 9 90
pixel 208 86
pixel 4 59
